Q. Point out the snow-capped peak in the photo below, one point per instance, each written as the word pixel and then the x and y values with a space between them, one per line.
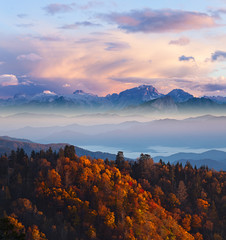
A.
pixel 45 96
pixel 48 92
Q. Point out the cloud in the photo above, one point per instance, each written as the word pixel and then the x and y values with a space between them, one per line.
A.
pixel 80 24
pixel 139 80
pixel 8 80
pixel 49 92
pixel 186 59
pixel 216 13
pixel 56 8
pixel 181 41
pixel 113 46
pixel 166 20
pixel 26 82
pixel 218 55
pixel 27 89
pixel 48 38
pixel 106 67
pixel 25 25
pixel 90 4
pixel 66 85
pixel 67 62
pixel 22 15
pixel 86 40
pixel 29 57
pixel 212 87
pixel 182 81
pixel 133 80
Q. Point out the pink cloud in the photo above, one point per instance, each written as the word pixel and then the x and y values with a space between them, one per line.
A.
pixel 8 80
pixel 29 57
pixel 166 20
pixel 181 41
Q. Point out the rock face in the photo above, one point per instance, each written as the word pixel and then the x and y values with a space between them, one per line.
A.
pixel 177 99
pixel 78 92
pixel 135 96
pixel 165 104
pixel 180 95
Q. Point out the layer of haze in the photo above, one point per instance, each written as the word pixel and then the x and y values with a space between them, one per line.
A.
pixel 111 132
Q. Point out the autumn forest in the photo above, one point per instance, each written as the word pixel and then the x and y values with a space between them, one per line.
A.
pixel 58 195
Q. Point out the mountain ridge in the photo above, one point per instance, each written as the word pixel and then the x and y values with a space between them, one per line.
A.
pixel 179 95
pixel 133 97
pixel 215 159
pixel 206 132
pixel 7 144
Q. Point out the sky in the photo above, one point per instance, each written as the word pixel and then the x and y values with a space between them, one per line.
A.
pixel 103 47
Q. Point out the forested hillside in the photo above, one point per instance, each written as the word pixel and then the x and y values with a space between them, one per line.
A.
pixel 50 195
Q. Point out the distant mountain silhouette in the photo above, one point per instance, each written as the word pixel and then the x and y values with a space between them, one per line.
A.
pixel 199 102
pixel 213 159
pixel 208 132
pixel 211 164
pixel 217 99
pixel 7 144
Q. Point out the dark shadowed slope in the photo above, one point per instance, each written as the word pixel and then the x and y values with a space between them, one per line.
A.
pixel 8 144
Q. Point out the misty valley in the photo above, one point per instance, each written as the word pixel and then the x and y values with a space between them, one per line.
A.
pixel 144 169
pixel 113 120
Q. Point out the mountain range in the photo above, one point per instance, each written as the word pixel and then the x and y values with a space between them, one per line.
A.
pixel 213 159
pixel 205 132
pixel 134 97
pixel 7 144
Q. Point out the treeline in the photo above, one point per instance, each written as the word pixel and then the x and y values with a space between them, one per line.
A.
pixel 51 195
